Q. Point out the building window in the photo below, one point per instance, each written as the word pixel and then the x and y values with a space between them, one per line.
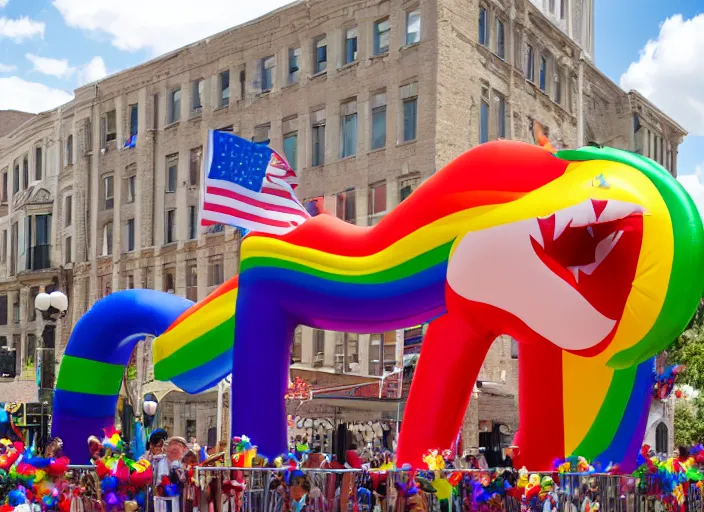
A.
pixel 192 222
pixel 129 282
pixel 130 189
pixel 551 6
pixel 348 129
pixel 16 317
pixel 14 247
pixel 174 108
pixel 168 280
pixel 346 208
pixel 107 239
pixel 320 50
pixel 243 83
pixel 379 120
pixel 197 88
pixel 25 172
pixel 195 160
pixel 225 88
pixel 530 63
pixel 350 45
pixel 661 441
pixel 413 27
pixel 192 280
pixel 409 99
pixel 130 235
pixel 484 123
pixel 37 163
pixel 170 227
pixel 318 347
pixel 483 27
pixel 294 65
pixel 108 192
pixel 68 211
pixel 69 150
pixel 3 246
pixel 514 349
pixel 543 73
pixel 110 126
pixel 500 39
pixel 267 71
pixel 382 33
pixel 134 120
pixel 16 180
pixel 261 133
pixel 3 311
pixel 318 137
pixel 562 9
pixel 171 172
pixel 291 149
pixel 4 185
pixel 351 352
pixel 68 257
pixel 558 87
pixel 376 201
pixel 501 117
pixel 216 271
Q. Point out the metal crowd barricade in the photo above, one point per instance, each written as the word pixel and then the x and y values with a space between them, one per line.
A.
pixel 331 490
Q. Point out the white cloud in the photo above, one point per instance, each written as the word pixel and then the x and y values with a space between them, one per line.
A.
pixel 694 185
pixel 21 28
pixel 94 70
pixel 669 71
pixel 159 25
pixel 7 68
pixel 3 3
pixel 52 67
pixel 34 97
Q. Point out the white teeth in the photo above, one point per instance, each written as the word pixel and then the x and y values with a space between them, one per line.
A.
pixel 581 214
pixel 603 249
pixel 615 210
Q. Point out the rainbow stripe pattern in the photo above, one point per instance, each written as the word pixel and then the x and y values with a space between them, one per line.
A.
pixel 331 275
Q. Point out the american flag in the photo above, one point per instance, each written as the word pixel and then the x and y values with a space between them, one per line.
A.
pixel 249 186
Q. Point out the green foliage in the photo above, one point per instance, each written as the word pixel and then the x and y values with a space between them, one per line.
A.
pixel 689 422
pixel 130 373
pixel 688 350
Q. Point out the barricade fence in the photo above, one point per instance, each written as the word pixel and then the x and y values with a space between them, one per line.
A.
pixel 220 489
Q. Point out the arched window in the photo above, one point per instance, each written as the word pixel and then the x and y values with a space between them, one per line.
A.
pixel 661 439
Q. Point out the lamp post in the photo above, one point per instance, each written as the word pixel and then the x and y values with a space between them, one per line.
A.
pixel 52 307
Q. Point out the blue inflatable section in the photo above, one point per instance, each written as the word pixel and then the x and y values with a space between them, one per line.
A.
pixel 93 364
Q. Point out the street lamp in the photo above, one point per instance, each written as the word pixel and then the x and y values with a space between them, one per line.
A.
pixel 52 306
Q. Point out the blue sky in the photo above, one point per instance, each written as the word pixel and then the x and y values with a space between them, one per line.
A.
pixel 48 47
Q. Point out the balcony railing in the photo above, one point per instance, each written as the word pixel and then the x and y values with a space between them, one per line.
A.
pixel 41 257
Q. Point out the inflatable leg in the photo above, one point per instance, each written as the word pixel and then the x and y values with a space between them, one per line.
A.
pixel 448 367
pixel 261 358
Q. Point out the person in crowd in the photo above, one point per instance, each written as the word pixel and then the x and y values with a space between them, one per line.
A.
pixel 481 459
pixel 155 445
pixel 95 447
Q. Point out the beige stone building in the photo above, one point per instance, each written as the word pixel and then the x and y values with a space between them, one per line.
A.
pixel 366 98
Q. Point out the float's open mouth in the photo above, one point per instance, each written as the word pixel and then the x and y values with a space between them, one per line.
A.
pixel 594 246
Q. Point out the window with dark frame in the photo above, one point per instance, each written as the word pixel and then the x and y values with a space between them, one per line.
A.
pixel 294 65
pixel 25 172
pixel 530 63
pixel 543 73
pixel 37 163
pixel 412 27
pixel 171 173
pixel 170 226
pixel 320 52
pixel 351 45
pixel 68 211
pixel 318 138
pixel 409 101
pixel 267 73
pixel 174 110
pixel 500 39
pixel 382 36
pixel 346 208
pixel 192 222
pixel 224 88
pixel 130 235
pixel 198 87
pixel 108 192
pixel 134 120
pixel 483 27
pixel 379 120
